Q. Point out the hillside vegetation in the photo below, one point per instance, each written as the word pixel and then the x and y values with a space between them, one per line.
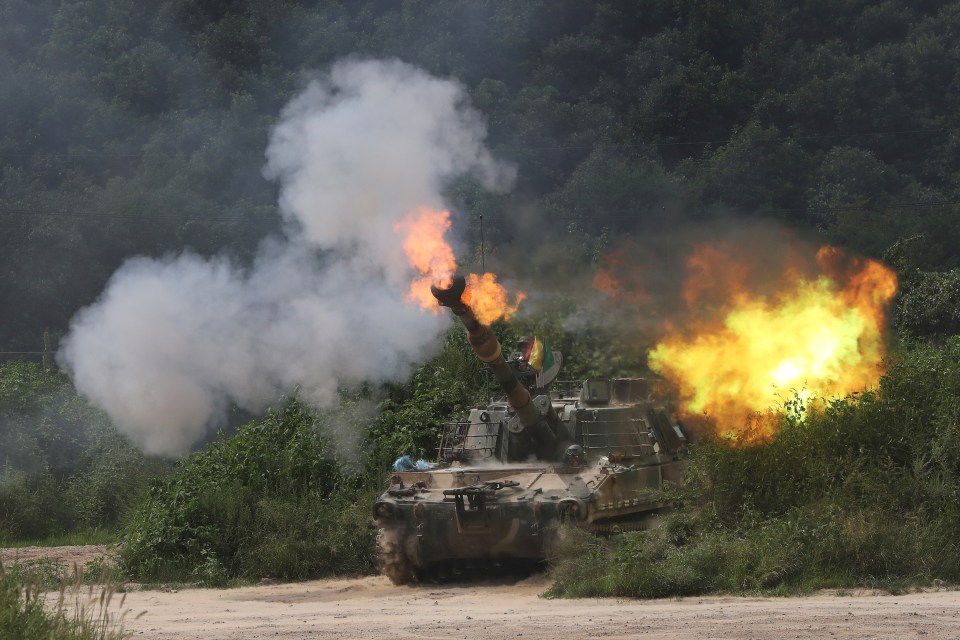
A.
pixel 140 130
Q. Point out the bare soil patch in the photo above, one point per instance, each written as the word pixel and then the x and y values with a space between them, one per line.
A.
pixel 68 556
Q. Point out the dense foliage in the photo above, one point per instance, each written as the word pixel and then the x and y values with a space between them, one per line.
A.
pixel 270 501
pixel 63 466
pixel 134 129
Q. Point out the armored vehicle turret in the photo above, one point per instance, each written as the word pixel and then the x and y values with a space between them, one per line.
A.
pixel 591 454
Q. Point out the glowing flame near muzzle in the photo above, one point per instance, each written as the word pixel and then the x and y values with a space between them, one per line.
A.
pixel 819 336
pixel 424 241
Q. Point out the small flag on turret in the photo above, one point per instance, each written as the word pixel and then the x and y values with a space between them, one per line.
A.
pixel 539 355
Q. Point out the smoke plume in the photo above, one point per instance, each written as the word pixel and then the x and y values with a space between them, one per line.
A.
pixel 172 342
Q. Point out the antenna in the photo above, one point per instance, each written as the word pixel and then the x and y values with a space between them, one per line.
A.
pixel 483 268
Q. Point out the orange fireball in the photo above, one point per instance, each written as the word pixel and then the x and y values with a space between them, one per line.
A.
pixel 424 242
pixel 818 336
pixel 489 299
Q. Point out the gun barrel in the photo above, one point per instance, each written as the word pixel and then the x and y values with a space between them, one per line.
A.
pixel 488 349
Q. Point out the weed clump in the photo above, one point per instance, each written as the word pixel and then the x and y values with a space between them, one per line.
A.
pixel 26 615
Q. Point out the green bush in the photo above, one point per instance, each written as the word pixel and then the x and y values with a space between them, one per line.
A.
pixel 270 501
pixel 31 506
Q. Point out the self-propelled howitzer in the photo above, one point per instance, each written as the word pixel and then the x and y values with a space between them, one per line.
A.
pixel 592 455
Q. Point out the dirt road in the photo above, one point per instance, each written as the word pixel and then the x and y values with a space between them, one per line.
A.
pixel 372 608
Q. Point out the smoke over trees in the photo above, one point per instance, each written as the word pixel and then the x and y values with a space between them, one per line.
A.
pixel 132 130
pixel 172 341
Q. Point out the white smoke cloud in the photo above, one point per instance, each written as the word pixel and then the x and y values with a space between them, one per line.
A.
pixel 371 139
pixel 172 342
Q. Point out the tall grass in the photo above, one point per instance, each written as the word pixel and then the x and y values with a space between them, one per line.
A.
pixel 864 492
pixel 26 614
pixel 70 539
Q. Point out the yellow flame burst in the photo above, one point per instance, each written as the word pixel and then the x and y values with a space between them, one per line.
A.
pixel 820 337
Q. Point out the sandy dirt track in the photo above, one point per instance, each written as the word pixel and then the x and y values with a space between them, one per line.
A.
pixel 371 607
